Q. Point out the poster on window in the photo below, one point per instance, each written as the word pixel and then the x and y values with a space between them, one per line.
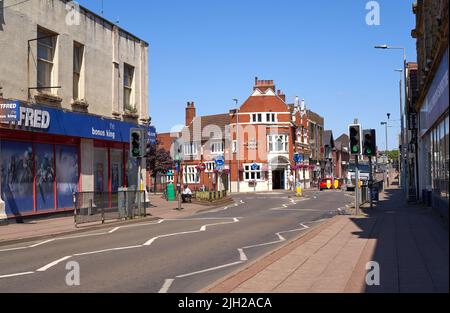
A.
pixel 66 174
pixel 45 177
pixel 17 176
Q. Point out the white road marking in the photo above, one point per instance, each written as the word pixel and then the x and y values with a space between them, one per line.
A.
pixel 41 243
pixel 80 236
pixel 113 230
pixel 209 269
pixel 46 267
pixel 242 257
pixel 166 286
pixel 202 229
pixel 15 275
pixel 13 249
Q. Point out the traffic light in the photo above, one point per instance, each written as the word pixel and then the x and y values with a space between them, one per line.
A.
pixel 369 142
pixel 355 139
pixel 136 143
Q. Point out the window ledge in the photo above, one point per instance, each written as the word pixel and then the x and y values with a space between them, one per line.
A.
pixel 129 114
pixel 47 98
pixel 80 104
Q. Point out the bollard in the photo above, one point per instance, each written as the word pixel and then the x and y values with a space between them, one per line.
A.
pixel 74 200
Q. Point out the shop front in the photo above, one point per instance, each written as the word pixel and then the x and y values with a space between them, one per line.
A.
pixel 47 154
pixel 434 142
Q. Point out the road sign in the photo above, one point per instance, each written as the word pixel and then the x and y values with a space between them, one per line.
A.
pixel 298 158
pixel 255 167
pixel 219 161
pixel 202 166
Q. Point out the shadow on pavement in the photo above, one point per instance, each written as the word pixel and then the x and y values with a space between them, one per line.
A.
pixel 409 243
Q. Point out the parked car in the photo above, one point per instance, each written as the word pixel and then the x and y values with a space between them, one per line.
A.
pixel 329 183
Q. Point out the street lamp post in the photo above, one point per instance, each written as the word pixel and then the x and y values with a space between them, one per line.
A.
pixel 402 140
pixel 386 124
pixel 237 146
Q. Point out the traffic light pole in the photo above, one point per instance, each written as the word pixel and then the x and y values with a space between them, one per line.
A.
pixel 356 185
pixel 371 182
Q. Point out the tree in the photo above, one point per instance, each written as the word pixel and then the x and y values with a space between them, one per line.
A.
pixel 393 155
pixel 159 161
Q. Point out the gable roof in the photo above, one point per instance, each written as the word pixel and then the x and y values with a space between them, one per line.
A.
pixel 328 138
pixel 207 127
pixel 264 103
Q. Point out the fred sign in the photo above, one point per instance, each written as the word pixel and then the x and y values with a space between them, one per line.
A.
pixel 9 111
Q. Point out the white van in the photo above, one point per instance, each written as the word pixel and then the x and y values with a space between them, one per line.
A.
pixel 364 174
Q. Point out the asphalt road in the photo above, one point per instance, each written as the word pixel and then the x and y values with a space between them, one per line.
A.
pixel 182 255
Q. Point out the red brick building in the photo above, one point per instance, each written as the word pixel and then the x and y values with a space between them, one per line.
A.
pixel 256 141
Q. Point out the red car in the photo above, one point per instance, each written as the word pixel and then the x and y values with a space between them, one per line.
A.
pixel 329 183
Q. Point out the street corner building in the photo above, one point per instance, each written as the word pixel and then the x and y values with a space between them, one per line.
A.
pixel 70 91
pixel 263 145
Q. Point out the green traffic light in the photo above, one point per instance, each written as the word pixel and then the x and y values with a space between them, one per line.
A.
pixel 355 149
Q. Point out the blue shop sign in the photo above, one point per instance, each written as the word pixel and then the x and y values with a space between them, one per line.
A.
pixel 59 122
pixel 151 135
pixel 436 101
pixel 9 111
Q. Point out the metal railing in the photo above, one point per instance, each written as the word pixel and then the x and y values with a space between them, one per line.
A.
pixel 101 206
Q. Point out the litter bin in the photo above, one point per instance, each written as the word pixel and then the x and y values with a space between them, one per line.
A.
pixel 170 192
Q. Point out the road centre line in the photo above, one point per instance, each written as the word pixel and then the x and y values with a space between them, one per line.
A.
pixel 16 274
pixel 49 265
pixel 242 258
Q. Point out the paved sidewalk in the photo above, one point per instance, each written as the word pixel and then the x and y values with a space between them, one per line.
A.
pixel 50 226
pixel 409 242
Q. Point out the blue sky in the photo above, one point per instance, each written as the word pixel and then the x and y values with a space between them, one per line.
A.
pixel 209 51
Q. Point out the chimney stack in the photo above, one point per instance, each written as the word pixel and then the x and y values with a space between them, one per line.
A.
pixel 190 113
pixel 281 95
pixel 263 85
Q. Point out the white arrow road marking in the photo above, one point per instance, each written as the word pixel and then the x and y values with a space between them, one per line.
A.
pixel 242 258
pixel 15 275
pixel 46 267
pixel 166 286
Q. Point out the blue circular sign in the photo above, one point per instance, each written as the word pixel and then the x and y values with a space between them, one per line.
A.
pixel 255 167
pixel 219 161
